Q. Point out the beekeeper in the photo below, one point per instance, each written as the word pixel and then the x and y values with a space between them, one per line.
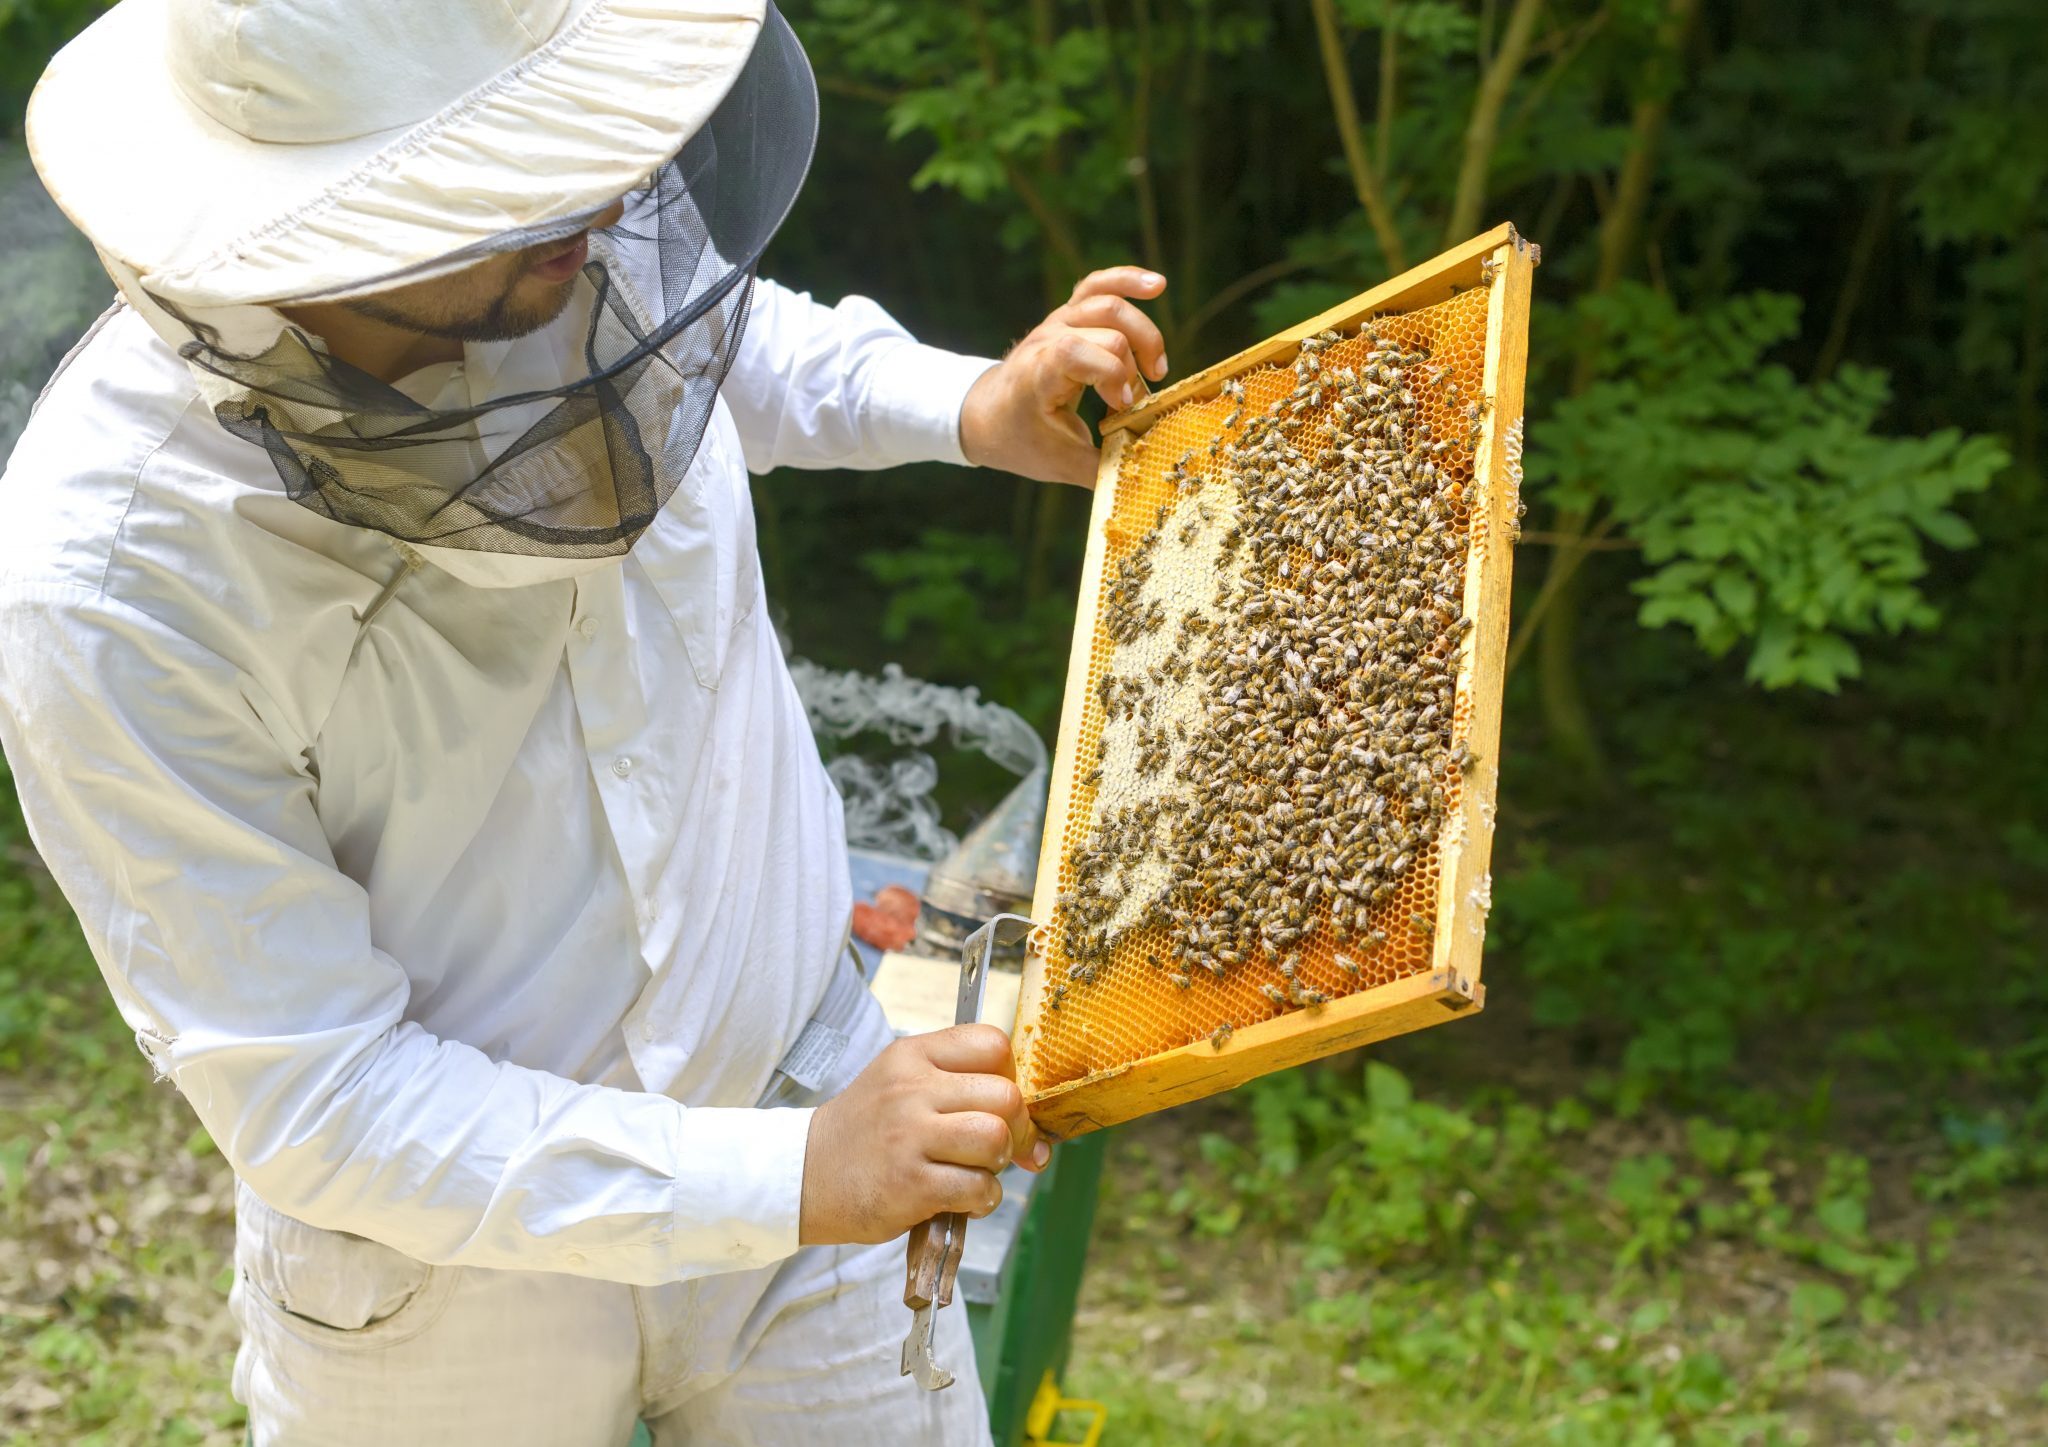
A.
pixel 387 680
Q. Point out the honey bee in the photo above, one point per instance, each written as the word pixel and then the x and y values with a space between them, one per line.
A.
pixel 1306 781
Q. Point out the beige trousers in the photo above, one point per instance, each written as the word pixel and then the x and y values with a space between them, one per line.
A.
pixel 804 1353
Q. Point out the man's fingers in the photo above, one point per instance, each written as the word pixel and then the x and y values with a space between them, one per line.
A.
pixel 1092 358
pixel 991 1094
pixel 961 1188
pixel 971 1138
pixel 989 1097
pixel 1119 315
pixel 1119 281
pixel 1129 386
pixel 1081 361
pixel 1114 342
pixel 980 1079
pixel 970 1050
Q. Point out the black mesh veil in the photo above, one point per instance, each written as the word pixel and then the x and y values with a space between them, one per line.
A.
pixel 577 460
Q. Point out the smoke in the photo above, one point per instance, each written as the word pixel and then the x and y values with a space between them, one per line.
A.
pixel 51 287
pixel 889 806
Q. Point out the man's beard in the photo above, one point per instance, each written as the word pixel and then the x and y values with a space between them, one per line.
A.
pixel 505 319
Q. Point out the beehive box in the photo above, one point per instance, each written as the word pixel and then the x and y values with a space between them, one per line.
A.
pixel 1273 793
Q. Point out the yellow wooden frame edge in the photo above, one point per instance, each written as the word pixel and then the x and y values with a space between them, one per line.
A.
pixel 1451 987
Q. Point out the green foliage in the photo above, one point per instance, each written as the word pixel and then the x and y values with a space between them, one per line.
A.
pixel 1990 1151
pixel 49 988
pixel 1678 967
pixel 1768 509
pixel 1770 513
pixel 51 287
pixel 30 30
pixel 1980 173
pixel 1439 30
pixel 1557 1274
pixel 1402 1176
pixel 973 87
pixel 982 123
pixel 947 595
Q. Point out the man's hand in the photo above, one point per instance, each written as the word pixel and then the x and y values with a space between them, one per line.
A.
pixel 923 1129
pixel 1019 416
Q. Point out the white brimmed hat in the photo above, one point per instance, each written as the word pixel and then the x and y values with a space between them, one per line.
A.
pixel 228 152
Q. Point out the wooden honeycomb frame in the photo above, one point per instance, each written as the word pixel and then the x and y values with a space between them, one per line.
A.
pixel 1445 984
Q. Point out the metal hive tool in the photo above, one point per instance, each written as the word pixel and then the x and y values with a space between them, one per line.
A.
pixel 1184 951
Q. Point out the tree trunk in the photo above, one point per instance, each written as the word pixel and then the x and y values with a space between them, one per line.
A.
pixel 1047 526
pixel 1567 720
pixel 1483 128
pixel 1877 215
pixel 1566 716
pixel 1369 185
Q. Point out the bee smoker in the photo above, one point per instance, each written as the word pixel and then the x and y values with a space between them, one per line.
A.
pixel 991 873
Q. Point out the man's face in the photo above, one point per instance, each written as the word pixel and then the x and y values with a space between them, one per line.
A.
pixel 496 300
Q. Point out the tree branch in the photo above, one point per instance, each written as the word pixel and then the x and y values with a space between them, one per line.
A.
pixel 859 90
pixel 1056 228
pixel 1568 48
pixel 1573 548
pixel 1623 223
pixel 1620 225
pixel 1140 160
pixel 1251 281
pixel 1058 231
pixel 1344 105
pixel 1383 112
pixel 1193 89
pixel 1580 540
pixel 1484 126
pixel 1863 250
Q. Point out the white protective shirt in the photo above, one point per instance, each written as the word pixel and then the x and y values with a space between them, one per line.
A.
pixel 472 920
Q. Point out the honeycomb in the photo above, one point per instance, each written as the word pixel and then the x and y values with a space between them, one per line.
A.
pixel 1166 547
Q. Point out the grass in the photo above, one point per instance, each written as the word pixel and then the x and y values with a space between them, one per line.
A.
pixel 1507 1274
pixel 116 1231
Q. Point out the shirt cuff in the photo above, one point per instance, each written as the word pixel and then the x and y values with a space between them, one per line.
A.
pixel 913 408
pixel 739 1189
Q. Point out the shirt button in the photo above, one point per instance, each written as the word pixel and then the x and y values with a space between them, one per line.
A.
pixel 587 627
pixel 622 766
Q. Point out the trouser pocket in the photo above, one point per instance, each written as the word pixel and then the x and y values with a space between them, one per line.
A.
pixel 329 1286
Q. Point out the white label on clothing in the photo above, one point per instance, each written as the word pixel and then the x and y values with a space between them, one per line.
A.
pixel 816 1051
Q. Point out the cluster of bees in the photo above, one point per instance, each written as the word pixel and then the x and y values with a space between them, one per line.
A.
pixel 1283 751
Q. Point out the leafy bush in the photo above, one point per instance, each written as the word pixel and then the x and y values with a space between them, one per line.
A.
pixel 1768 509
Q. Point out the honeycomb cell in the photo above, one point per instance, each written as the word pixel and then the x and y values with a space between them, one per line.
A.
pixel 1136 1001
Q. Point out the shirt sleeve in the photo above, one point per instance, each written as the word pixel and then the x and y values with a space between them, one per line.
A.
pixel 189 843
pixel 843 386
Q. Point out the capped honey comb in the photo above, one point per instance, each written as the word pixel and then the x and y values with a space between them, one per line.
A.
pixel 1135 996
